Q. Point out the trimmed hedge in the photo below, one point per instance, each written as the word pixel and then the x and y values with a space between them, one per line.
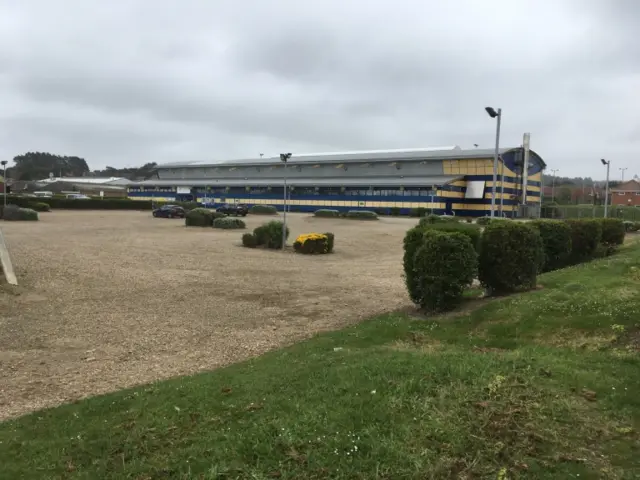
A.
pixel 249 240
pixel 443 266
pixel 269 235
pixel 470 230
pixel 511 255
pixel 413 240
pixel 86 204
pixel 15 213
pixel 613 231
pixel 312 243
pixel 40 206
pixel 418 212
pixel 201 217
pixel 431 219
pixel 228 223
pixel 585 237
pixel 362 215
pixel 556 239
pixel 326 213
pixel 263 210
pixel 486 220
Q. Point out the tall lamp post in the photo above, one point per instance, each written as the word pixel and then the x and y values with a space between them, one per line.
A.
pixel 4 180
pixel 497 114
pixel 606 187
pixel 284 158
pixel 553 184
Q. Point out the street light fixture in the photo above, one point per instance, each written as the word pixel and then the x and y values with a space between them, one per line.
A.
pixel 498 115
pixel 4 180
pixel 284 157
pixel 606 188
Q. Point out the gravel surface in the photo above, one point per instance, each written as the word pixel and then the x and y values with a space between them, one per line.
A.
pixel 108 300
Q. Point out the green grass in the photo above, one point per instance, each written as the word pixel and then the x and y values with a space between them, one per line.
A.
pixel 543 385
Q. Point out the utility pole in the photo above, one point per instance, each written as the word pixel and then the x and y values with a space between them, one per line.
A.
pixel 4 180
pixel 623 170
pixel 284 157
pixel 553 184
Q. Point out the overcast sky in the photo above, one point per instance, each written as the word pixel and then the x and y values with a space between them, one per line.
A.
pixel 127 82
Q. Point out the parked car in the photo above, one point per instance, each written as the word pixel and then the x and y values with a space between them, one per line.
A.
pixel 77 196
pixel 169 211
pixel 233 209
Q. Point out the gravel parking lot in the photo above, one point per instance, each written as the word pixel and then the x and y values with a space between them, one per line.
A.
pixel 109 300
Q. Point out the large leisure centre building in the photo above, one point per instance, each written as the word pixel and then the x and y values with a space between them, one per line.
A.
pixel 444 180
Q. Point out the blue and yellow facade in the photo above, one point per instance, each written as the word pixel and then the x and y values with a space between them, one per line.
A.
pixel 451 181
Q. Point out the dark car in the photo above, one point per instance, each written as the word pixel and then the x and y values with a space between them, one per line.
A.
pixel 169 211
pixel 233 209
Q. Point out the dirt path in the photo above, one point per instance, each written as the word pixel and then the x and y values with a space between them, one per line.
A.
pixel 112 299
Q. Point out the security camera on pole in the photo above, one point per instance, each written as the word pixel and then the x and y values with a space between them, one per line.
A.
pixel 284 157
pixel 606 188
pixel 497 114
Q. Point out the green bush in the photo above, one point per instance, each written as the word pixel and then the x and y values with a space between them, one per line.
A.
pixel 585 237
pixel 432 219
pixel 40 206
pixel 470 230
pixel 556 238
pixel 511 255
pixel 418 212
pixel 362 215
pixel 444 265
pixel 487 220
pixel 330 241
pixel 312 243
pixel 263 210
pixel 413 240
pixel 249 240
pixel 270 234
pixel 15 213
pixel 326 213
pixel 631 227
pixel 201 217
pixel 394 211
pixel 228 223
pixel 613 231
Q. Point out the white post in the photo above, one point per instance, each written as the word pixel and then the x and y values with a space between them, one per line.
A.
pixel 284 208
pixel 606 192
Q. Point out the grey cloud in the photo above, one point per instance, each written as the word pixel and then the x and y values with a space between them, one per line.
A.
pixel 126 83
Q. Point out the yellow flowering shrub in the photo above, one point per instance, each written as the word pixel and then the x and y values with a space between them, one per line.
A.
pixel 311 243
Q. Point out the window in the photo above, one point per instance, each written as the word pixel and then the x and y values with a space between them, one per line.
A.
pixel 621 193
pixel 638 194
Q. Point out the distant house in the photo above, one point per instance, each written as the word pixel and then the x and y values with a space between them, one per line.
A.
pixel 627 193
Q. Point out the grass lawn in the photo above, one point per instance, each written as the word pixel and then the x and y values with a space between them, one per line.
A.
pixel 540 385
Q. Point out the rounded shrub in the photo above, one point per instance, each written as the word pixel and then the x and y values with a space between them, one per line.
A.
pixel 330 241
pixel 201 217
pixel 413 240
pixel 432 219
pixel 263 210
pixel 249 240
pixel 228 223
pixel 14 213
pixel 418 212
pixel 270 234
pixel 362 215
pixel 444 265
pixel 511 255
pixel 613 231
pixel 470 230
pixel 326 213
pixel 556 239
pixel 312 243
pixel 40 206
pixel 585 237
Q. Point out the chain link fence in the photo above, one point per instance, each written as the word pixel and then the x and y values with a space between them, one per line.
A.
pixel 590 211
